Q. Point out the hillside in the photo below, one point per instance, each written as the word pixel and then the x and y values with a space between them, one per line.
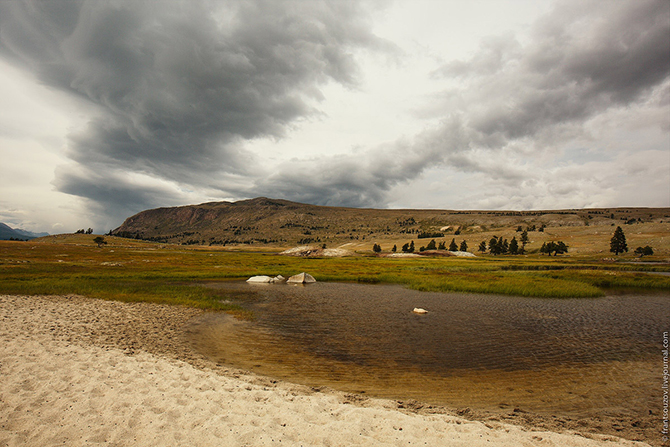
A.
pixel 282 223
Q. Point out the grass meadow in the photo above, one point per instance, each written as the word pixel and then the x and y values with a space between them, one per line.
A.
pixel 127 270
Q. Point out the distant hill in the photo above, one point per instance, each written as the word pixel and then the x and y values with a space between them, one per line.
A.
pixel 7 233
pixel 285 223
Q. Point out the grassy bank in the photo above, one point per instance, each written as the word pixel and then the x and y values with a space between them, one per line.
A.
pixel 136 271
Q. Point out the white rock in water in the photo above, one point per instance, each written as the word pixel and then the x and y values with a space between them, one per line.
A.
pixel 260 279
pixel 418 310
pixel 301 278
pixel 278 278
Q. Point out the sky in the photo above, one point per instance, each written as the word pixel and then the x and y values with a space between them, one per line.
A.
pixel 113 107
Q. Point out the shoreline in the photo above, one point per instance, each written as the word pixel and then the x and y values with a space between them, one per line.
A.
pixel 80 370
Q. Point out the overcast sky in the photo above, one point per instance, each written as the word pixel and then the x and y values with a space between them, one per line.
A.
pixel 110 108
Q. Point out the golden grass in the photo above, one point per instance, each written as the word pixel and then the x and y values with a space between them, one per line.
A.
pixel 143 271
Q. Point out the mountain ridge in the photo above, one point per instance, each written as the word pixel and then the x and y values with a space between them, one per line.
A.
pixel 8 233
pixel 281 222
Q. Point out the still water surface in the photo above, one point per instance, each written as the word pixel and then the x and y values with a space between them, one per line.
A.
pixel 575 356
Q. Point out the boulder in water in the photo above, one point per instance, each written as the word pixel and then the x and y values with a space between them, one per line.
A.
pixel 260 279
pixel 301 278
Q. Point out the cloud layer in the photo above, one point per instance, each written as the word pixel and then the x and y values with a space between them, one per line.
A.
pixel 518 107
pixel 178 93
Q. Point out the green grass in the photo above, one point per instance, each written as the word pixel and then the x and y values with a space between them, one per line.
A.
pixel 176 275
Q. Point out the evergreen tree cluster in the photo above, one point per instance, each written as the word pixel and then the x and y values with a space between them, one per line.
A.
pixel 556 248
pixel 432 245
pixel 499 246
pixel 427 234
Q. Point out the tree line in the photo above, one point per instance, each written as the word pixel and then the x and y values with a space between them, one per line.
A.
pixel 501 246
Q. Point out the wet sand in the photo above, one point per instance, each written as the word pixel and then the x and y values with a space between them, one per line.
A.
pixel 79 371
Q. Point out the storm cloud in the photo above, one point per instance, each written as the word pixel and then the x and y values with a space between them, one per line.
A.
pixel 179 85
pixel 178 93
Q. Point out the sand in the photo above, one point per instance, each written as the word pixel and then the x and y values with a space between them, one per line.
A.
pixel 76 371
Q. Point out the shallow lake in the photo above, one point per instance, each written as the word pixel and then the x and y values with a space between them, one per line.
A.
pixel 573 356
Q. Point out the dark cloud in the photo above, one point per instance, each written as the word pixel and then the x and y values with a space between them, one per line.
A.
pixel 582 59
pixel 356 180
pixel 353 181
pixel 179 84
pixel 114 195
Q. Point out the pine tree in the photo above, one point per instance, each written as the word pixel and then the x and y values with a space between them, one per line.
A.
pixel 504 246
pixel 453 246
pixel 513 247
pixel 394 249
pixel 524 240
pixel 482 246
pixel 493 246
pixel 618 242
pixel 463 247
pixel 442 246
pixel 431 245
pixel 411 247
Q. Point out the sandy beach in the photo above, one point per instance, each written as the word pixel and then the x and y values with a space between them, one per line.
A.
pixel 78 371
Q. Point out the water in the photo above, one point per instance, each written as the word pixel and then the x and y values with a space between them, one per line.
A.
pixel 485 351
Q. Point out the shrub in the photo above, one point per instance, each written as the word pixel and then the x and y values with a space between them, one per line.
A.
pixel 556 248
pixel 644 251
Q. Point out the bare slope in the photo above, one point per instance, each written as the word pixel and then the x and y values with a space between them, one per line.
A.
pixel 284 223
